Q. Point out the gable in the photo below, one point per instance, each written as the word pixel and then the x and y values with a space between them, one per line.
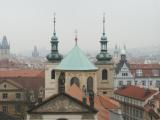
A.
pixel 61 103
pixel 124 69
pixel 10 85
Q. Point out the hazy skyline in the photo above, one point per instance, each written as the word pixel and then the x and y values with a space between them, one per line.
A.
pixel 26 23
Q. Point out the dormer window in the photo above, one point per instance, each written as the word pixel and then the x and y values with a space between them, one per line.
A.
pixel 139 72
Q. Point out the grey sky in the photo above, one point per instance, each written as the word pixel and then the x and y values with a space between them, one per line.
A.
pixel 26 23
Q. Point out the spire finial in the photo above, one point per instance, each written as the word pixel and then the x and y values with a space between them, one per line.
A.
pixel 76 32
pixel 103 23
pixel 54 14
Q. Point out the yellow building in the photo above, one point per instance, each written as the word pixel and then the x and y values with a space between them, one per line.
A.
pixel 12 98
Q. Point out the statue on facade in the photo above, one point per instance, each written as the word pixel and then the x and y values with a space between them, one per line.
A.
pixel 61 83
pixel 91 99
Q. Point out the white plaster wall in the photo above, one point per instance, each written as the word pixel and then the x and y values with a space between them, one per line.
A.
pixel 119 77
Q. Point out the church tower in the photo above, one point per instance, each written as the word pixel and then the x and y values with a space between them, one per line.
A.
pixel 54 59
pixel 35 53
pixel 105 67
pixel 4 48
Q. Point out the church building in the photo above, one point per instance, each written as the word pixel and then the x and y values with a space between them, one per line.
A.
pixel 78 69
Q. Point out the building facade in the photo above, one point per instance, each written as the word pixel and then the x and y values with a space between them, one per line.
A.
pixel 123 75
pixel 19 90
pixel 143 75
pixel 78 68
pixel 12 98
pixel 146 75
pixel 136 103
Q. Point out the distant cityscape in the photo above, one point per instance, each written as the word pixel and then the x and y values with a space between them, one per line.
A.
pixel 116 84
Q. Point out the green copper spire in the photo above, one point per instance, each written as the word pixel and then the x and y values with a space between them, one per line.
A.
pixel 76 60
pixel 104 56
pixel 54 56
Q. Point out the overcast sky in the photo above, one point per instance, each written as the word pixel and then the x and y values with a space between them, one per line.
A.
pixel 26 23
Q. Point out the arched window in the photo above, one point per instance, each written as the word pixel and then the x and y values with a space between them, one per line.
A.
pixel 53 74
pixel 89 83
pixel 75 80
pixel 104 74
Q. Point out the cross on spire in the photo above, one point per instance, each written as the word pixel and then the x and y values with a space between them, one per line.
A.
pixel 103 23
pixel 76 36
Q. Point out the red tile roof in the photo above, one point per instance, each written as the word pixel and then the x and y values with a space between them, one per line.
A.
pixel 102 103
pixel 21 73
pixel 29 79
pixel 135 92
pixel 147 69
pixel 145 66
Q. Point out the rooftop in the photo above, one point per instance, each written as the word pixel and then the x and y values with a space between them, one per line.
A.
pixel 102 103
pixel 21 73
pixel 135 92
pixel 76 60
pixel 144 66
pixel 148 70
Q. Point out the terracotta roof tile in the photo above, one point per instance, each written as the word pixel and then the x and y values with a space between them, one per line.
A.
pixel 21 73
pixel 135 92
pixel 147 69
pixel 29 79
pixel 102 103
pixel 145 66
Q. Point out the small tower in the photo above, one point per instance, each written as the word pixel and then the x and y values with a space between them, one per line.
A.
pixel 54 59
pixel 116 54
pixel 123 55
pixel 104 56
pixel 4 48
pixel 54 56
pixel 105 65
pixel 35 52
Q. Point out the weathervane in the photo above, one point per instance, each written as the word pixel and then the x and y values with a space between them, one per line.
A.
pixel 76 36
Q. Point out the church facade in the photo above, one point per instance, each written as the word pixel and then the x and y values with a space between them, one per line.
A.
pixel 78 69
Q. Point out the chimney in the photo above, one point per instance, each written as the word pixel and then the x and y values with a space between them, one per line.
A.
pixel 91 100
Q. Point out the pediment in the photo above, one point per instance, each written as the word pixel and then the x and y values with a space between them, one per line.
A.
pixel 61 104
pixel 9 85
